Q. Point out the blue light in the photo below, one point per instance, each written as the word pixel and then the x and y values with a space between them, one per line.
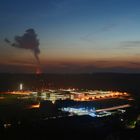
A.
pixel 92 114
pixel 80 111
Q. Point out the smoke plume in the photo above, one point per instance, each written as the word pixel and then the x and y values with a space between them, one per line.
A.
pixel 27 41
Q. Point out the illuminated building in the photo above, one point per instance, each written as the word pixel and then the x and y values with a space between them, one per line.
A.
pixel 80 111
pixel 90 95
pixel 95 113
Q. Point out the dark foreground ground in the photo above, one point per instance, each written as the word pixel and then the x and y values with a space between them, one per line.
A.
pixel 69 132
pixel 75 127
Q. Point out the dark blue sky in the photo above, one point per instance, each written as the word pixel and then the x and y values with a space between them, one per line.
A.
pixel 75 35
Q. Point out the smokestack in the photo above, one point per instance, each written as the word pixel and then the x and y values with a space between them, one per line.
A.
pixel 27 41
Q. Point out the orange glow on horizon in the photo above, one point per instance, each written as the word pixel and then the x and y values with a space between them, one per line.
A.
pixel 38 70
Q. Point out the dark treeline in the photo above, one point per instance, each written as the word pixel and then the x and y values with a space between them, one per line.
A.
pixel 99 81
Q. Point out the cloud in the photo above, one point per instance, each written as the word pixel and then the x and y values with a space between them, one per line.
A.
pixel 18 63
pixel 128 67
pixel 134 63
pixel 91 68
pixel 105 28
pixel 130 44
